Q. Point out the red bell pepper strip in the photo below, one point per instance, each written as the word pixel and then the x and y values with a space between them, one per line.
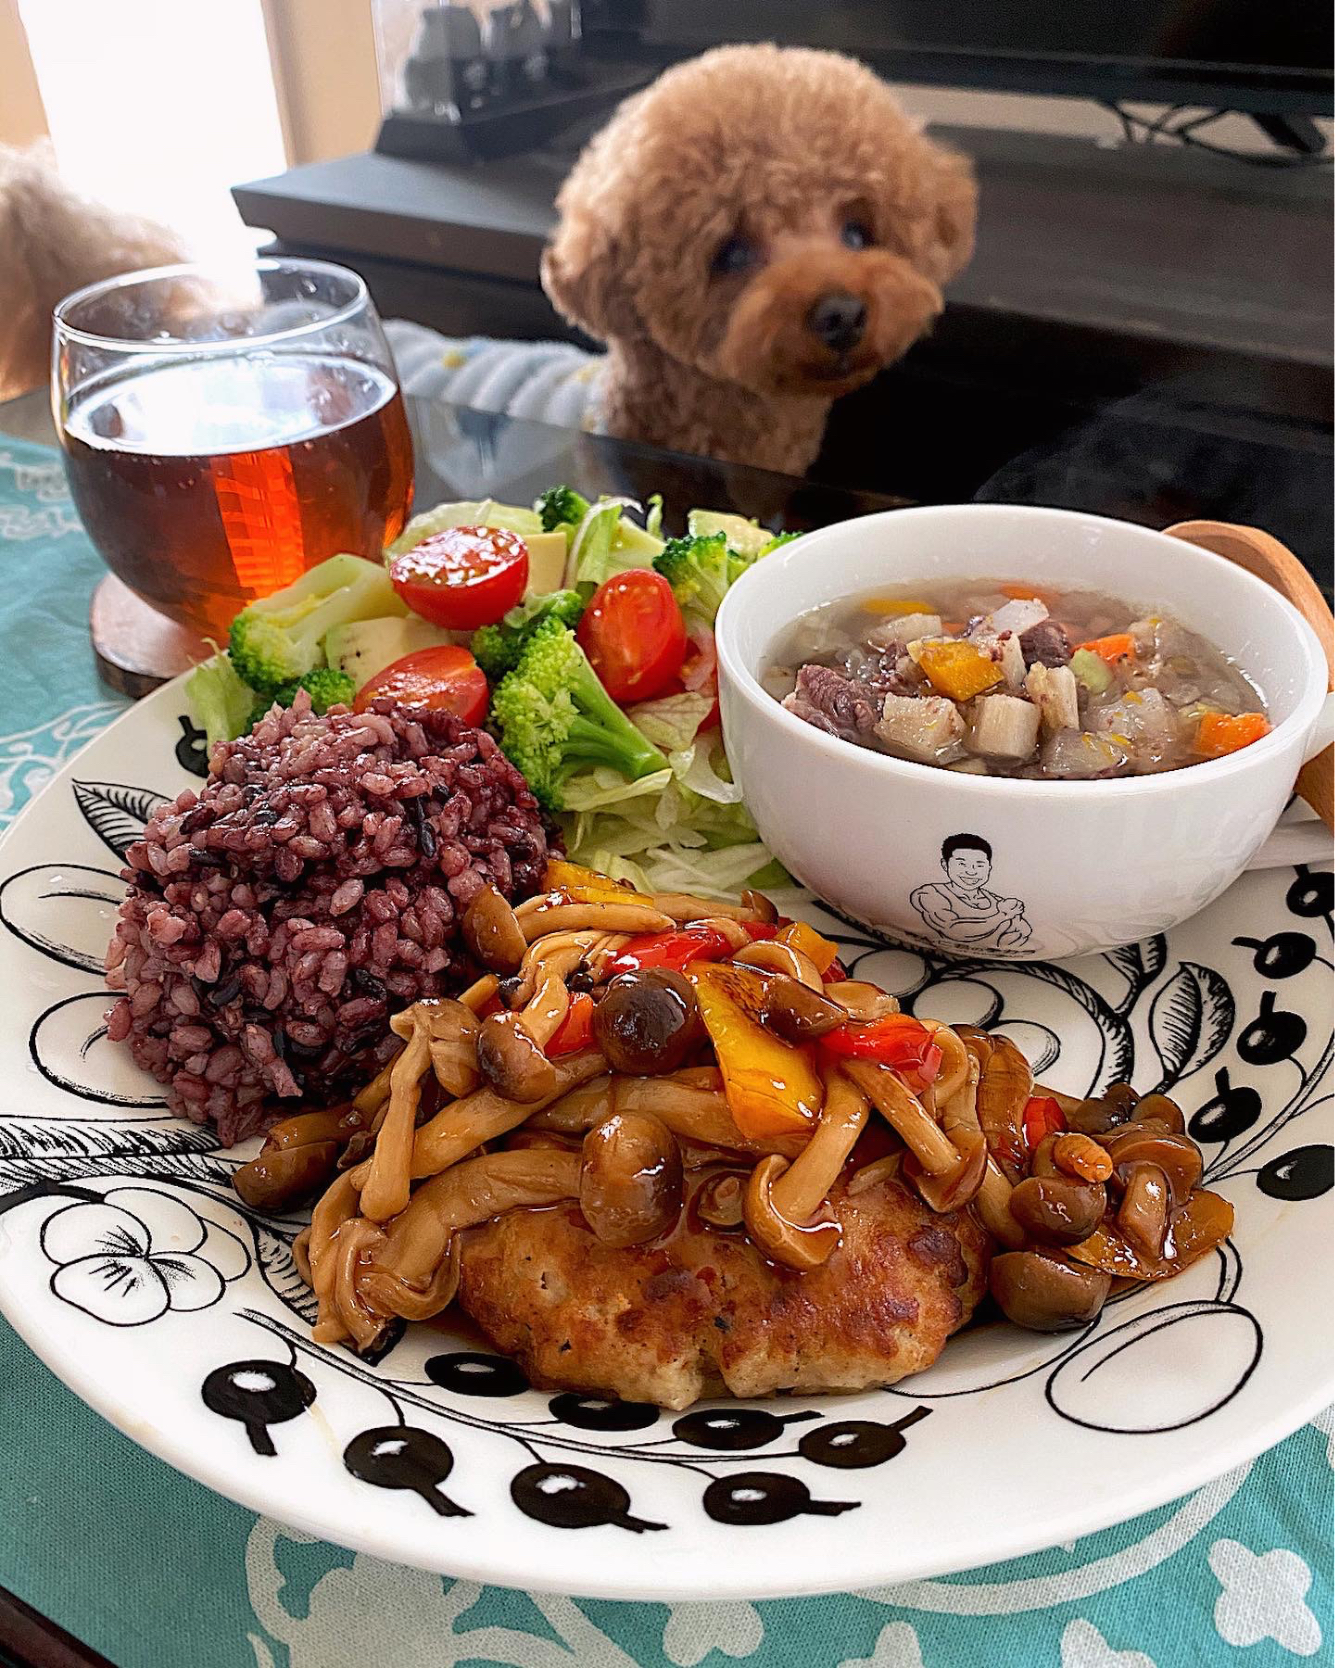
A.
pixel 1042 1117
pixel 576 1030
pixel 678 948
pixel 898 1040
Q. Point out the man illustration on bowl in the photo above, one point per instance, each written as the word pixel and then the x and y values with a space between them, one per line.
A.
pixel 961 908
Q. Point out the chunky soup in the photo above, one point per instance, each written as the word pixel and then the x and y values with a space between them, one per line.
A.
pixel 1015 680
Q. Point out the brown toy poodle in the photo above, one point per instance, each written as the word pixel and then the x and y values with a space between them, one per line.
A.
pixel 759 231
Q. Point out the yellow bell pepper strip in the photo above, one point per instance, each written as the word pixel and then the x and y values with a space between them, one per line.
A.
pixel 1221 733
pixel 959 670
pixel 797 935
pixel 582 885
pixel 771 1087
pixel 1120 645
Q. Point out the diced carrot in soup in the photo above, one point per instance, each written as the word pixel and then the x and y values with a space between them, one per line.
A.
pixel 1121 645
pixel 1219 733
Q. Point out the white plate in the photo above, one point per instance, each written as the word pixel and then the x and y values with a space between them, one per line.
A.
pixel 128 1265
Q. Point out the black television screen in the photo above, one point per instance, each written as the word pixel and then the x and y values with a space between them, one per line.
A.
pixel 1255 55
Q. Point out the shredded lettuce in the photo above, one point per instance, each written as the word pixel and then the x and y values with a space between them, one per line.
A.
pixel 465 512
pixel 672 721
pixel 681 829
pixel 607 542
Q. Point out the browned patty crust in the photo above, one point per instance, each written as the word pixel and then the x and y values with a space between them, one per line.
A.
pixel 705 1313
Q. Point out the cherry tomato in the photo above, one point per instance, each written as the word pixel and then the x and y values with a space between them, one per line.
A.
pixel 464 577
pixel 634 635
pixel 447 678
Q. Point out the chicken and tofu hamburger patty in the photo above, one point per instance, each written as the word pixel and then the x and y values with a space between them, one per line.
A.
pixel 704 1312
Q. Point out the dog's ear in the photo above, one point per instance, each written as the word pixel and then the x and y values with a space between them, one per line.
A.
pixel 583 273
pixel 945 242
pixel 583 266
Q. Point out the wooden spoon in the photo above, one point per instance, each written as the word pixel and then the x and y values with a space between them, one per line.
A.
pixel 1268 559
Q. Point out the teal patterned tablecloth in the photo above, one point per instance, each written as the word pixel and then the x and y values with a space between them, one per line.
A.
pixel 155 1571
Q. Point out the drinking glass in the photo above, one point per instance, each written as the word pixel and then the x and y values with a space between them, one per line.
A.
pixel 225 429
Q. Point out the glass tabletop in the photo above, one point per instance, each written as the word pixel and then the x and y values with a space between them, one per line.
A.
pixel 1151 458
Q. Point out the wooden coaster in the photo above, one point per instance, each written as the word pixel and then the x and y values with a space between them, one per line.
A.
pixel 137 648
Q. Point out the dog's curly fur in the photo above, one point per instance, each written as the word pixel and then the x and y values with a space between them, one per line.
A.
pixel 53 241
pixel 783 148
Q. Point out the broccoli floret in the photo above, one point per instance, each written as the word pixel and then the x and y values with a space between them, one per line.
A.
pixel 561 506
pixel 278 638
pixel 699 569
pixel 497 648
pixel 219 702
pixel 326 686
pixel 555 718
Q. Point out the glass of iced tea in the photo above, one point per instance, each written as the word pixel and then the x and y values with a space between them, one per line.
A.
pixel 227 428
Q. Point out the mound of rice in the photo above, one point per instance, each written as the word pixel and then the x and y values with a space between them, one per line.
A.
pixel 315 886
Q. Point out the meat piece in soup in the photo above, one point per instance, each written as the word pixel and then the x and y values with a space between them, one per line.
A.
pixel 1009 681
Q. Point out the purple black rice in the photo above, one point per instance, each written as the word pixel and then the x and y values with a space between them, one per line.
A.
pixel 315 886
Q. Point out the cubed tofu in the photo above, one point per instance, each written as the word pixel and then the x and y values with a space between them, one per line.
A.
pixel 928 728
pixel 1055 693
pixel 1003 727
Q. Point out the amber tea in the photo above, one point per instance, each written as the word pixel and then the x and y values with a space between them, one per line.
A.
pixel 209 481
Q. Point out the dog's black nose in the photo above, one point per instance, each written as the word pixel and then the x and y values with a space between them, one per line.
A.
pixel 839 320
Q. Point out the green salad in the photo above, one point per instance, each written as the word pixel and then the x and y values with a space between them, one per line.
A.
pixel 573 630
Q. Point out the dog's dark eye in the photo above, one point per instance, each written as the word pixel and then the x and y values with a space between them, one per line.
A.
pixel 856 234
pixel 736 255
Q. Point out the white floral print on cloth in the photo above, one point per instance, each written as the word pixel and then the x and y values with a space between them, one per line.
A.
pixel 239 1591
pixel 1264 1597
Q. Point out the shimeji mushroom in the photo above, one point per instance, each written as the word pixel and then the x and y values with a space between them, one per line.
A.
pixel 1143 1215
pixel 1058 1210
pixel 781 958
pixel 630 1183
pixel 465 1195
pixel 797 1245
pixel 493 933
pixel 1045 1293
pixel 596 917
pixel 905 1114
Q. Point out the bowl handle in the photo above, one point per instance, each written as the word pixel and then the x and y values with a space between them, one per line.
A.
pixel 1268 559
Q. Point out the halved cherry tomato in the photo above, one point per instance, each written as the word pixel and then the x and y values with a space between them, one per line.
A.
pixel 1042 1116
pixel 634 635
pixel 463 577
pixel 447 678
pixel 576 1030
